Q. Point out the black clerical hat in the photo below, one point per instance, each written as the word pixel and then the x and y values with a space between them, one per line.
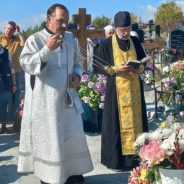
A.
pixel 122 19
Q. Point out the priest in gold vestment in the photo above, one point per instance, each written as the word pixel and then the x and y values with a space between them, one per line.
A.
pixel 124 115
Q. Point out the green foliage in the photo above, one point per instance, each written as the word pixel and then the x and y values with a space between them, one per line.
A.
pixel 29 31
pixel 92 90
pixel 153 174
pixel 168 12
pixel 101 22
pixel 134 18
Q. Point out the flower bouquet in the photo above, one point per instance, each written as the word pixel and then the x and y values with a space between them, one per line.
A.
pixel 172 55
pixel 173 85
pixel 162 148
pixel 148 73
pixel 92 94
pixel 170 52
pixel 92 89
pixel 173 77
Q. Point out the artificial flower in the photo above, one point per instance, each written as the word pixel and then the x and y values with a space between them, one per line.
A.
pixel 92 90
pixel 161 148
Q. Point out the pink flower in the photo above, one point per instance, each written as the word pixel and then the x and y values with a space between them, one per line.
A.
pixel 150 66
pixel 181 113
pixel 135 175
pixel 85 78
pixel 152 153
pixel 167 85
pixel 101 77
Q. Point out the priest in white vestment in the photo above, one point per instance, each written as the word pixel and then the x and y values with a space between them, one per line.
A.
pixel 52 141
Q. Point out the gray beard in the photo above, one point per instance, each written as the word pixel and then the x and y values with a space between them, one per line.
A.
pixel 122 38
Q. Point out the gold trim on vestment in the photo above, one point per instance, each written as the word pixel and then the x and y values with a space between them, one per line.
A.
pixel 128 98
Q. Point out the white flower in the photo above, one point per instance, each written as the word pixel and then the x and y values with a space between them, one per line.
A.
pixel 160 134
pixel 156 134
pixel 181 134
pixel 101 105
pixel 166 133
pixel 141 139
pixel 167 145
pixel 176 126
pixel 102 98
pixel 181 142
pixel 91 84
pixel 181 139
pixel 86 99
pixel 166 69
pixel 164 80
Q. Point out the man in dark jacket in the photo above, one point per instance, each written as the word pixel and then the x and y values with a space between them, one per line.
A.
pixel 6 87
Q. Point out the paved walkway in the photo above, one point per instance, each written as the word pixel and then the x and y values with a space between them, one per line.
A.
pixel 100 175
pixel 8 164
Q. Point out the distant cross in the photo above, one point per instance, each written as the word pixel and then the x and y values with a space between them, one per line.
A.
pixel 82 20
pixel 151 27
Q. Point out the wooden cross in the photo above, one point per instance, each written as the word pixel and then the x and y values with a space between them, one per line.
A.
pixel 150 25
pixel 82 20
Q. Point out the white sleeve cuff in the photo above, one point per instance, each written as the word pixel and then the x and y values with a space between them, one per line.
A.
pixel 44 54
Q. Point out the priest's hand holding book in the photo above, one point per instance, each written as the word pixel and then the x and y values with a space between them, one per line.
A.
pixel 122 69
pixel 133 66
pixel 138 65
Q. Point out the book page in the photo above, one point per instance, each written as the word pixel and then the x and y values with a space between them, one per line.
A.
pixel 134 63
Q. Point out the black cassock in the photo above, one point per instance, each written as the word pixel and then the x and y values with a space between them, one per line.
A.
pixel 111 154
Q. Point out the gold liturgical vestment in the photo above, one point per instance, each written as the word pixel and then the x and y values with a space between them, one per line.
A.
pixel 128 98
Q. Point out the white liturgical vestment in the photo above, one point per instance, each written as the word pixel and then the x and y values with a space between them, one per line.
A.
pixel 52 141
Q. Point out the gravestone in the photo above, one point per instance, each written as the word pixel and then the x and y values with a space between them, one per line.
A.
pixel 140 32
pixel 157 30
pixel 176 40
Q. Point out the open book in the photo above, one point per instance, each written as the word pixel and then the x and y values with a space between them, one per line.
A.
pixel 137 63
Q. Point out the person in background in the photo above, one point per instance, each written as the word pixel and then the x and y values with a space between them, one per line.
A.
pixel 124 114
pixel 109 30
pixel 91 44
pixel 14 44
pixel 52 140
pixel 7 87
